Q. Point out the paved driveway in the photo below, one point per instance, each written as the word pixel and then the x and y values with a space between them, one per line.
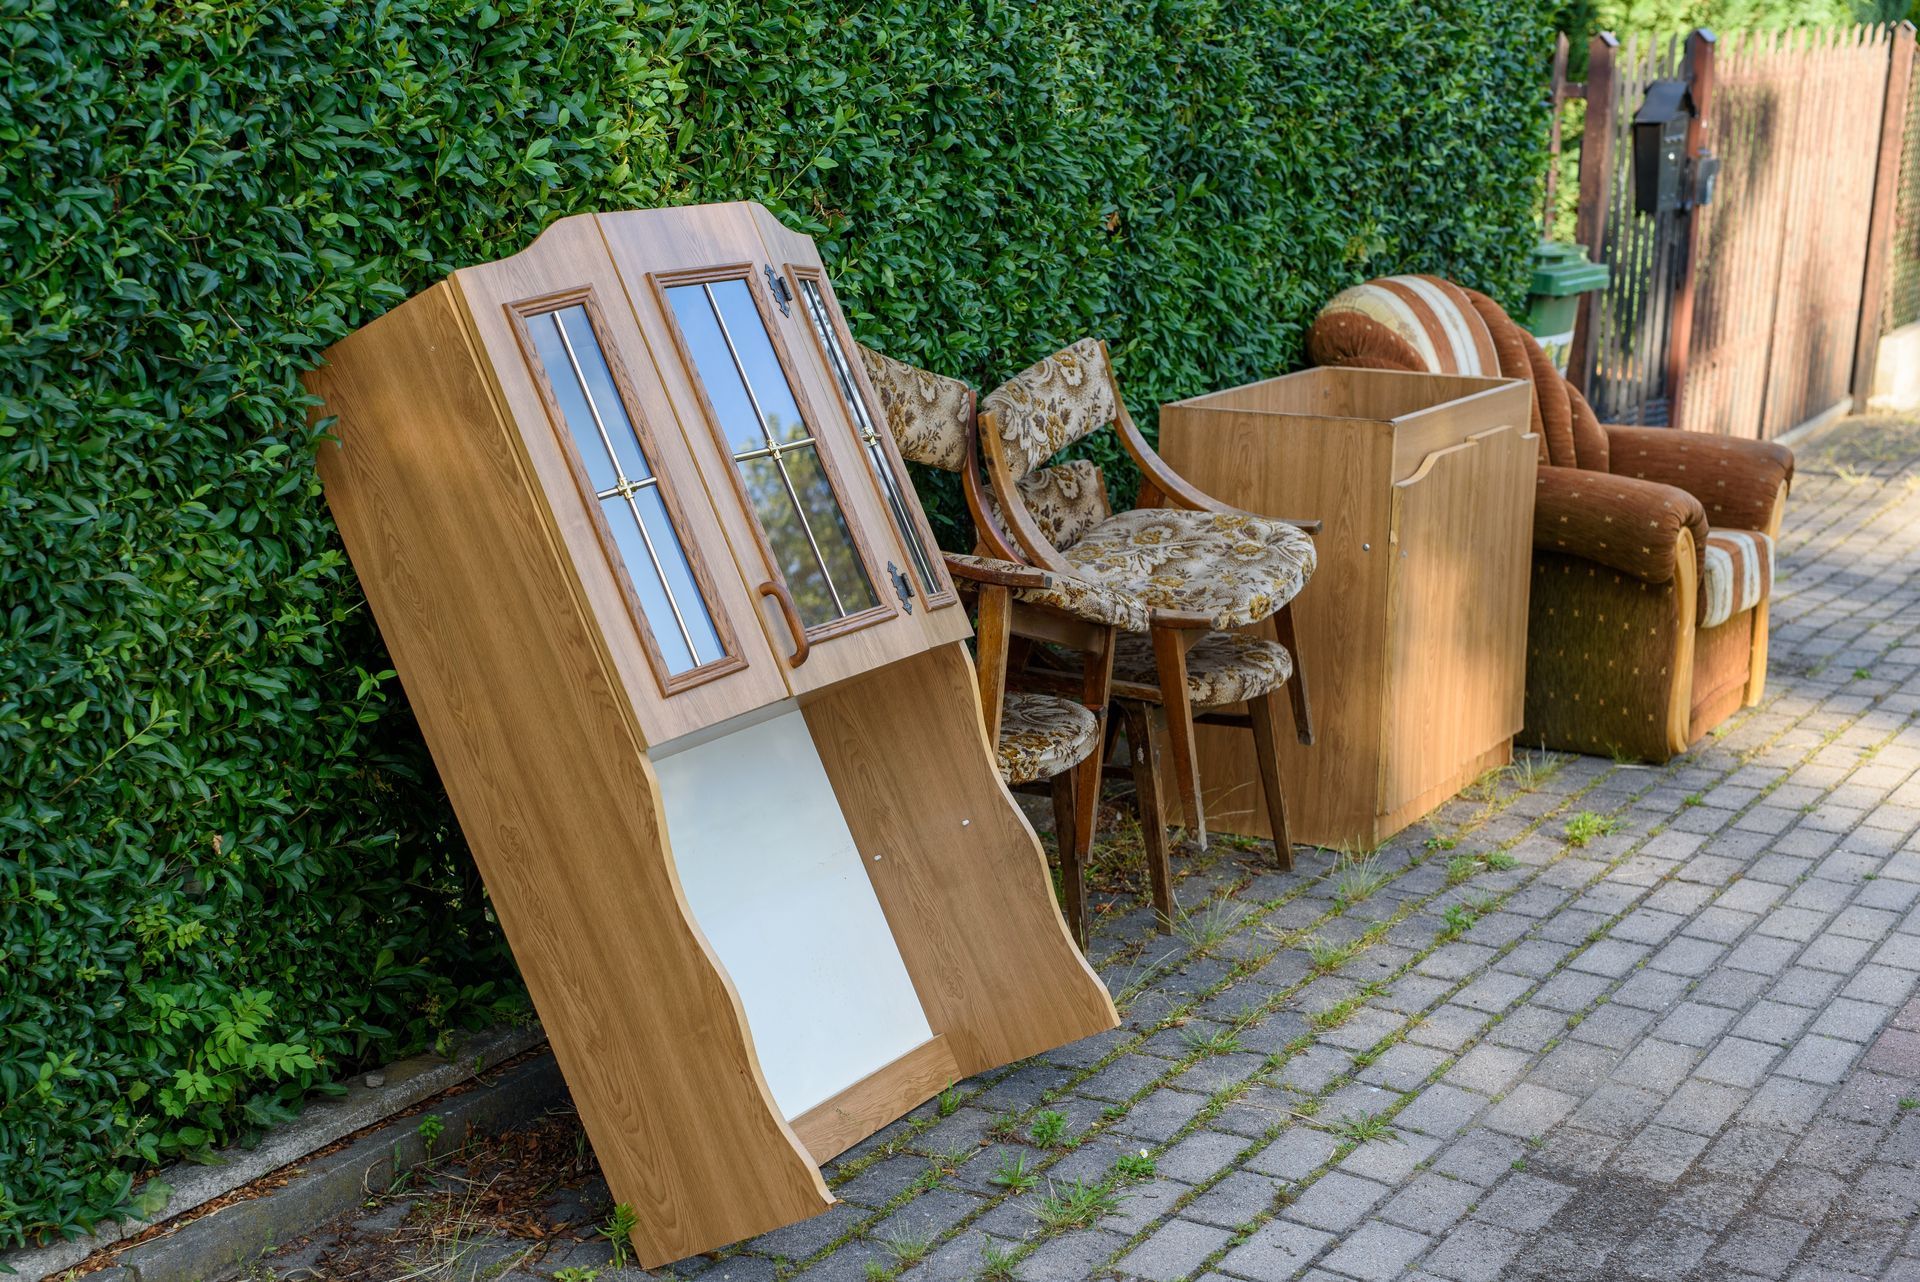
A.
pixel 1590 1021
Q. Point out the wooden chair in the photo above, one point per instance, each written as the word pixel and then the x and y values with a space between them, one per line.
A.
pixel 1049 740
pixel 1209 573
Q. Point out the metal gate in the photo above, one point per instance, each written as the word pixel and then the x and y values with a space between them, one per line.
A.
pixel 1759 311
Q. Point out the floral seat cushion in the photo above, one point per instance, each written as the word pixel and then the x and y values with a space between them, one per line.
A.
pixel 1739 574
pixel 1082 598
pixel 1230 566
pixel 1041 735
pixel 1222 668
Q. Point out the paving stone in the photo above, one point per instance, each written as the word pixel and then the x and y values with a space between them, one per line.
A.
pixel 1440 1110
pixel 1278 1249
pixel 1529 1110
pixel 1431 1203
pixel 1295 1155
pixel 1819 1059
pixel 1474 1252
pixel 1238 1199
pixel 1736 1061
pixel 1174 1250
pixel 1701 1107
pixel 1523 1203
pixel 1336 1201
pixel 1376 1253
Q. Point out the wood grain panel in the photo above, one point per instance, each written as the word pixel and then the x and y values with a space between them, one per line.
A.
pixel 539 747
pixel 958 871
pixel 833 1126
pixel 1462 547
pixel 1334 468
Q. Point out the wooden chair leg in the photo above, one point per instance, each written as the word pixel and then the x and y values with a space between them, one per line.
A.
pixel 1073 869
pixel 1264 713
pixel 1297 688
pixel 1153 822
pixel 1170 648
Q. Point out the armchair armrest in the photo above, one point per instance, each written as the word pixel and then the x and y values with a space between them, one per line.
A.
pixel 1622 523
pixel 1005 574
pixel 1068 594
pixel 1737 482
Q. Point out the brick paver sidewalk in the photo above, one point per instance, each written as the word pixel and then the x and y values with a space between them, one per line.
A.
pixel 1591 1021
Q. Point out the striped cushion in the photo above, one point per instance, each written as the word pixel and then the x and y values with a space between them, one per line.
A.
pixel 1408 322
pixel 1739 574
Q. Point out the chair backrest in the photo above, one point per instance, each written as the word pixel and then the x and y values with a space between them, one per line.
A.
pixel 1051 404
pixel 1432 325
pixel 930 415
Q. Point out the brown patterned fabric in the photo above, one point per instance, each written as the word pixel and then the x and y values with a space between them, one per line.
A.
pixel 1739 575
pixel 1601 645
pixel 1232 567
pixel 1627 525
pixel 1041 736
pixel 1082 598
pixel 928 414
pixel 1735 480
pixel 1066 500
pixel 1590 443
pixel 1431 318
pixel 1223 668
pixel 1050 405
pixel 1514 359
pixel 1348 340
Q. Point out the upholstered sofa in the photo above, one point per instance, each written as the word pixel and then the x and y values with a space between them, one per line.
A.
pixel 1653 548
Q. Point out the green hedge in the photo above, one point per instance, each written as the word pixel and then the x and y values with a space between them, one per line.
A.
pixel 227 875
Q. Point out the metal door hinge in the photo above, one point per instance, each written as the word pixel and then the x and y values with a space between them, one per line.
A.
pixel 902 586
pixel 782 292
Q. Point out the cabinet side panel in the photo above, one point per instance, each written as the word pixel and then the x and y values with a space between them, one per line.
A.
pixel 959 872
pixel 538 751
pixel 1336 470
pixel 1462 552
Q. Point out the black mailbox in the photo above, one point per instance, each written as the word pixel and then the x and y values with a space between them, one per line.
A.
pixel 1660 147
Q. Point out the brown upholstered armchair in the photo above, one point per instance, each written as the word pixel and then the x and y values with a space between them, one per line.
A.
pixel 1653 548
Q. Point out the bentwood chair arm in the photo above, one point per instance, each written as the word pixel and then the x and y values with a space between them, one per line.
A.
pixel 1006 574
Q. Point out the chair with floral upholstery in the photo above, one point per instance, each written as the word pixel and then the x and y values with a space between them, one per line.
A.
pixel 1050 739
pixel 1209 573
pixel 1647 626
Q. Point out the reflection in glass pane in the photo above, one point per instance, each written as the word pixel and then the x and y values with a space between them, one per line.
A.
pixel 596 418
pixel 793 549
pixel 779 465
pixel 713 362
pixel 891 484
pixel 644 572
pixel 652 508
pixel 829 528
pixel 599 384
pixel 754 350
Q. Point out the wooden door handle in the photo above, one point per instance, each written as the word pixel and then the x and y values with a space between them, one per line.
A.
pixel 801 646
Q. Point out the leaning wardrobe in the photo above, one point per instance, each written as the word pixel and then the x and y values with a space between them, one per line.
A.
pixel 692 671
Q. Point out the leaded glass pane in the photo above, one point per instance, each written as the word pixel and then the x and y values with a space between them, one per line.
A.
pixel 773 449
pixel 891 485
pixel 630 500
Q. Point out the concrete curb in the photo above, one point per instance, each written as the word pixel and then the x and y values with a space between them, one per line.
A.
pixel 218 1244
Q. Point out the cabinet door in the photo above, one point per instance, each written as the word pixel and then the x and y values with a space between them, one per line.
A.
pixel 796 258
pixel 627 498
pixel 807 523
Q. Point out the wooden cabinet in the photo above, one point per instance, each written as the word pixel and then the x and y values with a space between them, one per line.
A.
pixel 696 682
pixel 1413 627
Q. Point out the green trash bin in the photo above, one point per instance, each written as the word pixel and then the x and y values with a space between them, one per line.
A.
pixel 1561 273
